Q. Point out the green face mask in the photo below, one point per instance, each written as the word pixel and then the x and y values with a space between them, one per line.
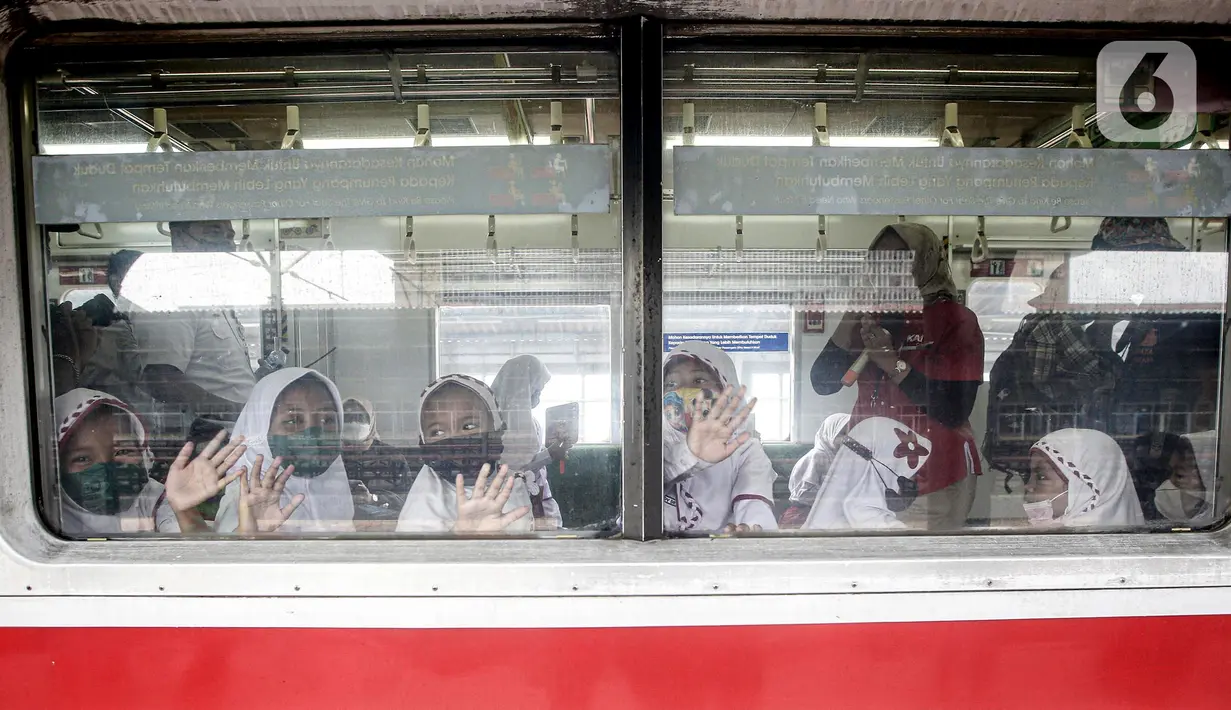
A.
pixel 106 488
pixel 310 451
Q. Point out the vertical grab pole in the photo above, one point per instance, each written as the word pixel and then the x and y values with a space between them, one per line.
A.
pixel 820 137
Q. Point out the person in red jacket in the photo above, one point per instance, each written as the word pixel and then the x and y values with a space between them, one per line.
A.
pixel 924 368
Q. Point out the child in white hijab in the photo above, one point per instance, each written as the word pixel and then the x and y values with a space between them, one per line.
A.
pixel 809 471
pixel 460 432
pixel 1079 478
pixel 876 460
pixel 716 475
pixel 1188 496
pixel 517 388
pixel 294 416
pixel 105 466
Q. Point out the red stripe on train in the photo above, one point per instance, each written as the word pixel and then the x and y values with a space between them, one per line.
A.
pixel 1156 662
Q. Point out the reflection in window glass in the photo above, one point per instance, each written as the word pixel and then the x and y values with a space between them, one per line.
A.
pixel 355 364
pixel 573 343
pixel 1063 374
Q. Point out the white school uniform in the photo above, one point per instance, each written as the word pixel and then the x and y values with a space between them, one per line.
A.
pixel 431 505
pixel 327 506
pixel 871 459
pixel 513 387
pixel 149 511
pixel 704 497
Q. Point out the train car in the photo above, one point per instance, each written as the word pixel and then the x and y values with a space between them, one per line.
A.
pixel 203 196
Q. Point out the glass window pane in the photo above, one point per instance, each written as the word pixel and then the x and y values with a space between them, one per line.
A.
pixel 384 295
pixel 877 247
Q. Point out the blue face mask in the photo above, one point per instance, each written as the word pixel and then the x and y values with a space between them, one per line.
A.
pixel 105 488
pixel 311 451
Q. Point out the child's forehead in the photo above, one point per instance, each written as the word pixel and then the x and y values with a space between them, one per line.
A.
pixel 305 392
pixel 103 421
pixel 454 398
pixel 688 363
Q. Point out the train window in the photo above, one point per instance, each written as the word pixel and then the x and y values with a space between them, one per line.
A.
pixel 314 295
pixel 573 342
pixel 992 314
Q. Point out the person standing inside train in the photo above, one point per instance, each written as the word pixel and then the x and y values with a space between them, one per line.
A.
pixel 294 415
pixel 518 388
pixel 716 475
pixel 196 361
pixel 461 487
pixel 117 364
pixel 923 367
pixel 1079 478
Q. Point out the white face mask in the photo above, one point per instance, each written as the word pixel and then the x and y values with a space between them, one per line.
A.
pixel 1174 502
pixel 356 431
pixel 1041 513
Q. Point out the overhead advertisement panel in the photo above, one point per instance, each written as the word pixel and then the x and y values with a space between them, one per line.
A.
pixel 951 181
pixel 158 187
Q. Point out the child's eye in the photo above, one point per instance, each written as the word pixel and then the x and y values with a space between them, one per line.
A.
pixel 83 459
pixel 125 453
pixel 469 426
pixel 434 433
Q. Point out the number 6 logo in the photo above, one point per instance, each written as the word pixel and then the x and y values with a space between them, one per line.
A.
pixel 1147 92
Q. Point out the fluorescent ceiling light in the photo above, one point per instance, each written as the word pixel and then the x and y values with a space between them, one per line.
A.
pixel 883 142
pixel 438 141
pixel 93 148
pixel 806 141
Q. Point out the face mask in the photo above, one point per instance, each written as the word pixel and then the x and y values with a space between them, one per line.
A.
pixel 356 432
pixel 464 454
pixel 1041 514
pixel 310 451
pixel 1174 503
pixel 677 406
pixel 106 488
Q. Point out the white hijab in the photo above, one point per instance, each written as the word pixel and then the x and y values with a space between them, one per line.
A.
pixel 703 502
pixel 431 505
pixel 810 470
pixel 149 511
pixel 871 458
pixel 513 388
pixel 327 505
pixel 1169 500
pixel 1101 492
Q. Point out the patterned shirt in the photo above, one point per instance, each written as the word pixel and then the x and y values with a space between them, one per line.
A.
pixel 1059 353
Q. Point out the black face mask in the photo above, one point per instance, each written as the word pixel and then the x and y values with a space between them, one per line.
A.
pixel 464 455
pixel 105 488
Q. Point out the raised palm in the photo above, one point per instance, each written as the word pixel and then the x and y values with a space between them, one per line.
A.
pixel 711 436
pixel 191 483
pixel 260 497
pixel 483 510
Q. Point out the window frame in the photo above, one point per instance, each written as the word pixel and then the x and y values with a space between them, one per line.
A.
pixel 34 562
